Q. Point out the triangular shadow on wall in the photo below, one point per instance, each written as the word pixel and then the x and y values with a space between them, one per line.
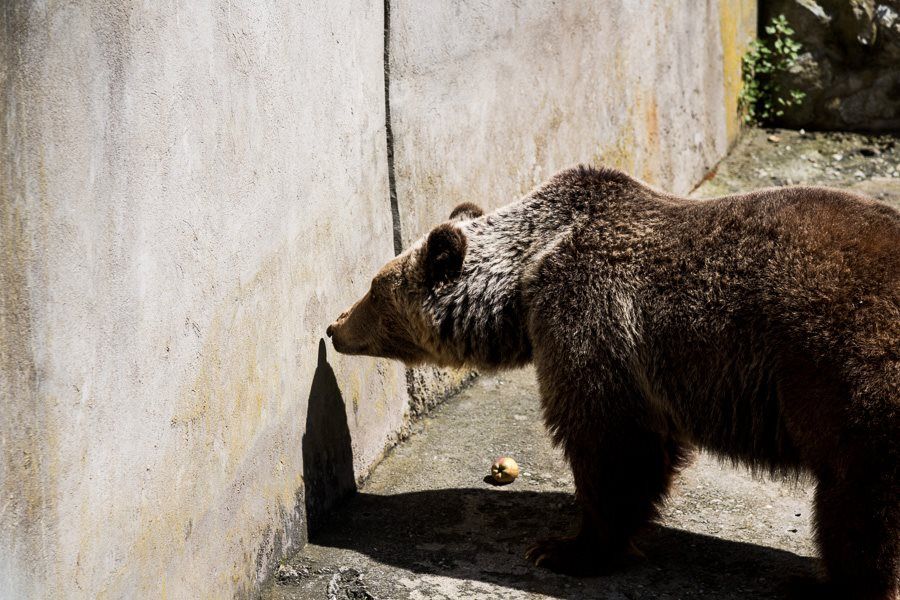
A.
pixel 327 454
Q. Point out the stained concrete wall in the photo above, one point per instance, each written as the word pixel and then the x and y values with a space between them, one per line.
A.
pixel 191 191
pixel 488 98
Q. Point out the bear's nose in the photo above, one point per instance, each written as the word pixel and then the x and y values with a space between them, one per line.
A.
pixel 330 331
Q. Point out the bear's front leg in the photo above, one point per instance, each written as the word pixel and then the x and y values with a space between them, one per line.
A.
pixel 620 478
pixel 572 555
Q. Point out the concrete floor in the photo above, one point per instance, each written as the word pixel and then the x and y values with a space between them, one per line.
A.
pixel 426 525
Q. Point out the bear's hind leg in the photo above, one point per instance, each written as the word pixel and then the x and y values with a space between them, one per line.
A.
pixel 619 482
pixel 858 530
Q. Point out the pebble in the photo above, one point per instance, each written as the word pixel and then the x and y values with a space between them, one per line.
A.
pixel 288 574
pixel 347 584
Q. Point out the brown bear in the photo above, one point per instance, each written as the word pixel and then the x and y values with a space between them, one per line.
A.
pixel 763 327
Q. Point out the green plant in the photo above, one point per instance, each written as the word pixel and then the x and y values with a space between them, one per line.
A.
pixel 761 98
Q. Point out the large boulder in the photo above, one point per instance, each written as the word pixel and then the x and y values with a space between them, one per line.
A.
pixel 849 66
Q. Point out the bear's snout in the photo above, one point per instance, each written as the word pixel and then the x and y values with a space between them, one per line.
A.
pixel 352 332
pixel 341 336
pixel 332 331
pixel 329 331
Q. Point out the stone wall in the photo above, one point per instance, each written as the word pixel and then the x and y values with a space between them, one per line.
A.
pixel 190 193
pixel 849 65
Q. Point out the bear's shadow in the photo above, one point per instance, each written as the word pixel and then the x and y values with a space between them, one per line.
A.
pixel 481 534
pixel 328 477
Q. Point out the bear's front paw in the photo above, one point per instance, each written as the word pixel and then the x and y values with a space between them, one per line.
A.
pixel 573 556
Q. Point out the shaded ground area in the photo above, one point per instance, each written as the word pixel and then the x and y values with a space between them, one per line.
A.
pixel 426 525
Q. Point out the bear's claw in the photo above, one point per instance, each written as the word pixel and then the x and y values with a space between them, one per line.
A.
pixel 579 556
pixel 570 555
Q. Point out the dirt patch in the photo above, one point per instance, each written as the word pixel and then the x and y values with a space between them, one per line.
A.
pixel 868 164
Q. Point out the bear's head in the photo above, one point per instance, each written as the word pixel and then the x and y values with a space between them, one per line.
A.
pixel 390 320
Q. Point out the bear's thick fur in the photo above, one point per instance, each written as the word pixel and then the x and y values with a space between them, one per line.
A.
pixel 764 327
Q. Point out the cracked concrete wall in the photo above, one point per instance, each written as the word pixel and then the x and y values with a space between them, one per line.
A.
pixel 190 192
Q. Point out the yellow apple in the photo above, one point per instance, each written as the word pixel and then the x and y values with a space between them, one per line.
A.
pixel 504 470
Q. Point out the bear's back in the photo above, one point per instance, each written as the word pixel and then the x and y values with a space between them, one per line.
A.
pixel 797 243
pixel 809 270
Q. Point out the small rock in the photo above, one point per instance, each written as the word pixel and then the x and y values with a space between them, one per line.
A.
pixel 838 157
pixel 347 585
pixel 289 574
pixel 774 138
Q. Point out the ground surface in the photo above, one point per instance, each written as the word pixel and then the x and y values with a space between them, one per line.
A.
pixel 868 164
pixel 426 525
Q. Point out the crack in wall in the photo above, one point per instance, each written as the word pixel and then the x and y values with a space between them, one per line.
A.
pixel 389 134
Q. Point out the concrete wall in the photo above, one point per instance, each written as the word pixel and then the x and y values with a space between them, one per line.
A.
pixel 738 21
pixel 488 99
pixel 189 192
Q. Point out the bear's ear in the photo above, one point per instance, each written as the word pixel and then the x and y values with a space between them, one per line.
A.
pixel 443 254
pixel 466 210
